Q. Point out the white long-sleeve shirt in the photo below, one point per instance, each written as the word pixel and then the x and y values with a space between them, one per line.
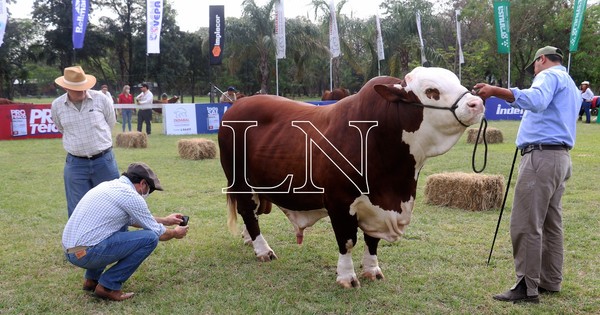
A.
pixel 145 100
pixel 588 95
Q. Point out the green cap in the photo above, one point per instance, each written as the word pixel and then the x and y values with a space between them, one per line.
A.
pixel 548 50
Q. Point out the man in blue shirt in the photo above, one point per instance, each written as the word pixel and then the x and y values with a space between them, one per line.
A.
pixel 546 134
pixel 96 234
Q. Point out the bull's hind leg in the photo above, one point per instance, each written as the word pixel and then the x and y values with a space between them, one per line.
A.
pixel 370 264
pixel 249 207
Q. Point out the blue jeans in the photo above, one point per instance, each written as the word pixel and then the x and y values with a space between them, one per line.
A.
pixel 586 109
pixel 126 249
pixel 127 114
pixel 82 174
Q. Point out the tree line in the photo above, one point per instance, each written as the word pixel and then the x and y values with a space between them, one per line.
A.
pixel 36 51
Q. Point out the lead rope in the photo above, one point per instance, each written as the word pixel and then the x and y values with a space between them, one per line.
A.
pixel 483 121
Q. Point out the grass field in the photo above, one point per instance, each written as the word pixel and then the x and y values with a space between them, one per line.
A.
pixel 439 267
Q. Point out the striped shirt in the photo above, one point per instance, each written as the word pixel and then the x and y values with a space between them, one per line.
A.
pixel 105 210
pixel 88 131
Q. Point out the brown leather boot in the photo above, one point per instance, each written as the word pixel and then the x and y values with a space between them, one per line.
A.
pixel 518 295
pixel 89 285
pixel 113 295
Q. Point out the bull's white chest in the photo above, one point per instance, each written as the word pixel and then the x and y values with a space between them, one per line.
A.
pixel 382 223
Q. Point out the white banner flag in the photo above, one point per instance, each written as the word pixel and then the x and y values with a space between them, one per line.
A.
pixel 3 19
pixel 334 38
pixel 380 54
pixel 461 58
pixel 280 30
pixel 423 59
pixel 154 23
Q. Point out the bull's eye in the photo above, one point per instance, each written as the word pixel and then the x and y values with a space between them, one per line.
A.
pixel 433 93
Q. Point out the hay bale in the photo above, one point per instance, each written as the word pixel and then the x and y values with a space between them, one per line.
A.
pixel 197 149
pixel 492 135
pixel 132 139
pixel 473 192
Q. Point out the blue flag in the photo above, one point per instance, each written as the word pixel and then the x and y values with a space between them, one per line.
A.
pixel 80 21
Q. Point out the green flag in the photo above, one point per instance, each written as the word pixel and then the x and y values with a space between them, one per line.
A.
pixel 578 15
pixel 502 19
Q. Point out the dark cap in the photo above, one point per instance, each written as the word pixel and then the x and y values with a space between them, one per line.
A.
pixel 142 170
pixel 548 50
pixel 231 88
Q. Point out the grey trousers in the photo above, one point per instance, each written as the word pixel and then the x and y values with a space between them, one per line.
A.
pixel 536 219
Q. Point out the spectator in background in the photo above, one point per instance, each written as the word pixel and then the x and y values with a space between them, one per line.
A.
pixel 126 98
pixel 229 96
pixel 586 101
pixel 85 118
pixel 145 100
pixel 104 90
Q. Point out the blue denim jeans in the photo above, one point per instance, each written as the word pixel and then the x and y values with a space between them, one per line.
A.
pixel 126 249
pixel 81 175
pixel 127 114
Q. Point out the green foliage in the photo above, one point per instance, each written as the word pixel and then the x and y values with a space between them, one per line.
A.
pixel 438 267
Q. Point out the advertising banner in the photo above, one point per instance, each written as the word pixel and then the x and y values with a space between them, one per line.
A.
pixel 380 54
pixel 578 15
pixel 27 121
pixel 279 30
pixel 216 33
pixel 502 21
pixel 154 10
pixel 3 19
pixel 498 109
pixel 80 21
pixel 334 38
pixel 461 57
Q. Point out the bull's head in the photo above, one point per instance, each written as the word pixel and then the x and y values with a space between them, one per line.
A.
pixel 435 88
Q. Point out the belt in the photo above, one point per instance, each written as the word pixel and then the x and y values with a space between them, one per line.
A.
pixel 75 249
pixel 95 156
pixel 542 147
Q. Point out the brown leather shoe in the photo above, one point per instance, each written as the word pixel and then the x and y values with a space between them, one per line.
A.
pixel 113 295
pixel 517 295
pixel 89 285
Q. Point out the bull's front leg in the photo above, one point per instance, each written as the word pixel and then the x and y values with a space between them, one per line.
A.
pixel 370 264
pixel 345 228
pixel 248 210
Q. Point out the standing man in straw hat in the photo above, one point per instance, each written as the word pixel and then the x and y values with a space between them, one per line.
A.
pixel 546 134
pixel 85 118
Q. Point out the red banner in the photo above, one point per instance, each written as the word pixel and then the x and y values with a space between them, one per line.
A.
pixel 27 121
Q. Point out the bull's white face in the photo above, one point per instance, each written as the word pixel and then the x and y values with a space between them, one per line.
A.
pixel 441 88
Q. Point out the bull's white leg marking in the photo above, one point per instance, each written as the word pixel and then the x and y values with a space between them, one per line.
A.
pixel 303 219
pixel 345 269
pixel 381 223
pixel 246 237
pixel 370 266
pixel 262 249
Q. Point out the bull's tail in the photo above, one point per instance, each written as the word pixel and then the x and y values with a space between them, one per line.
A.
pixel 232 214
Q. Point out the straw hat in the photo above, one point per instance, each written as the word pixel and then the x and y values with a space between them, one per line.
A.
pixel 585 83
pixel 75 79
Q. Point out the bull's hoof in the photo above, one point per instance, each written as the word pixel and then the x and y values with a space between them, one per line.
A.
pixel 376 275
pixel 267 257
pixel 348 283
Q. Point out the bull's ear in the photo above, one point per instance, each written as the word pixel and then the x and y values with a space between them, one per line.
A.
pixel 395 93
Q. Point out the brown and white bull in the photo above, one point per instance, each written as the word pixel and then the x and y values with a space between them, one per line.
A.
pixel 357 160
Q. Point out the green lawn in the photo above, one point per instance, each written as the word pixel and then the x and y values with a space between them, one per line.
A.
pixel 439 267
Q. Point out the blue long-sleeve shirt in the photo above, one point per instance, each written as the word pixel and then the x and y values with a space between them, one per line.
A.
pixel 551 107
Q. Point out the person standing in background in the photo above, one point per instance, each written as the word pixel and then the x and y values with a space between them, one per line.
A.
pixel 126 98
pixel 85 118
pixel 586 101
pixel 145 100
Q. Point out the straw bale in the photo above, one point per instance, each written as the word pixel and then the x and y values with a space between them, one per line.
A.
pixel 492 135
pixel 132 139
pixel 475 192
pixel 197 149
